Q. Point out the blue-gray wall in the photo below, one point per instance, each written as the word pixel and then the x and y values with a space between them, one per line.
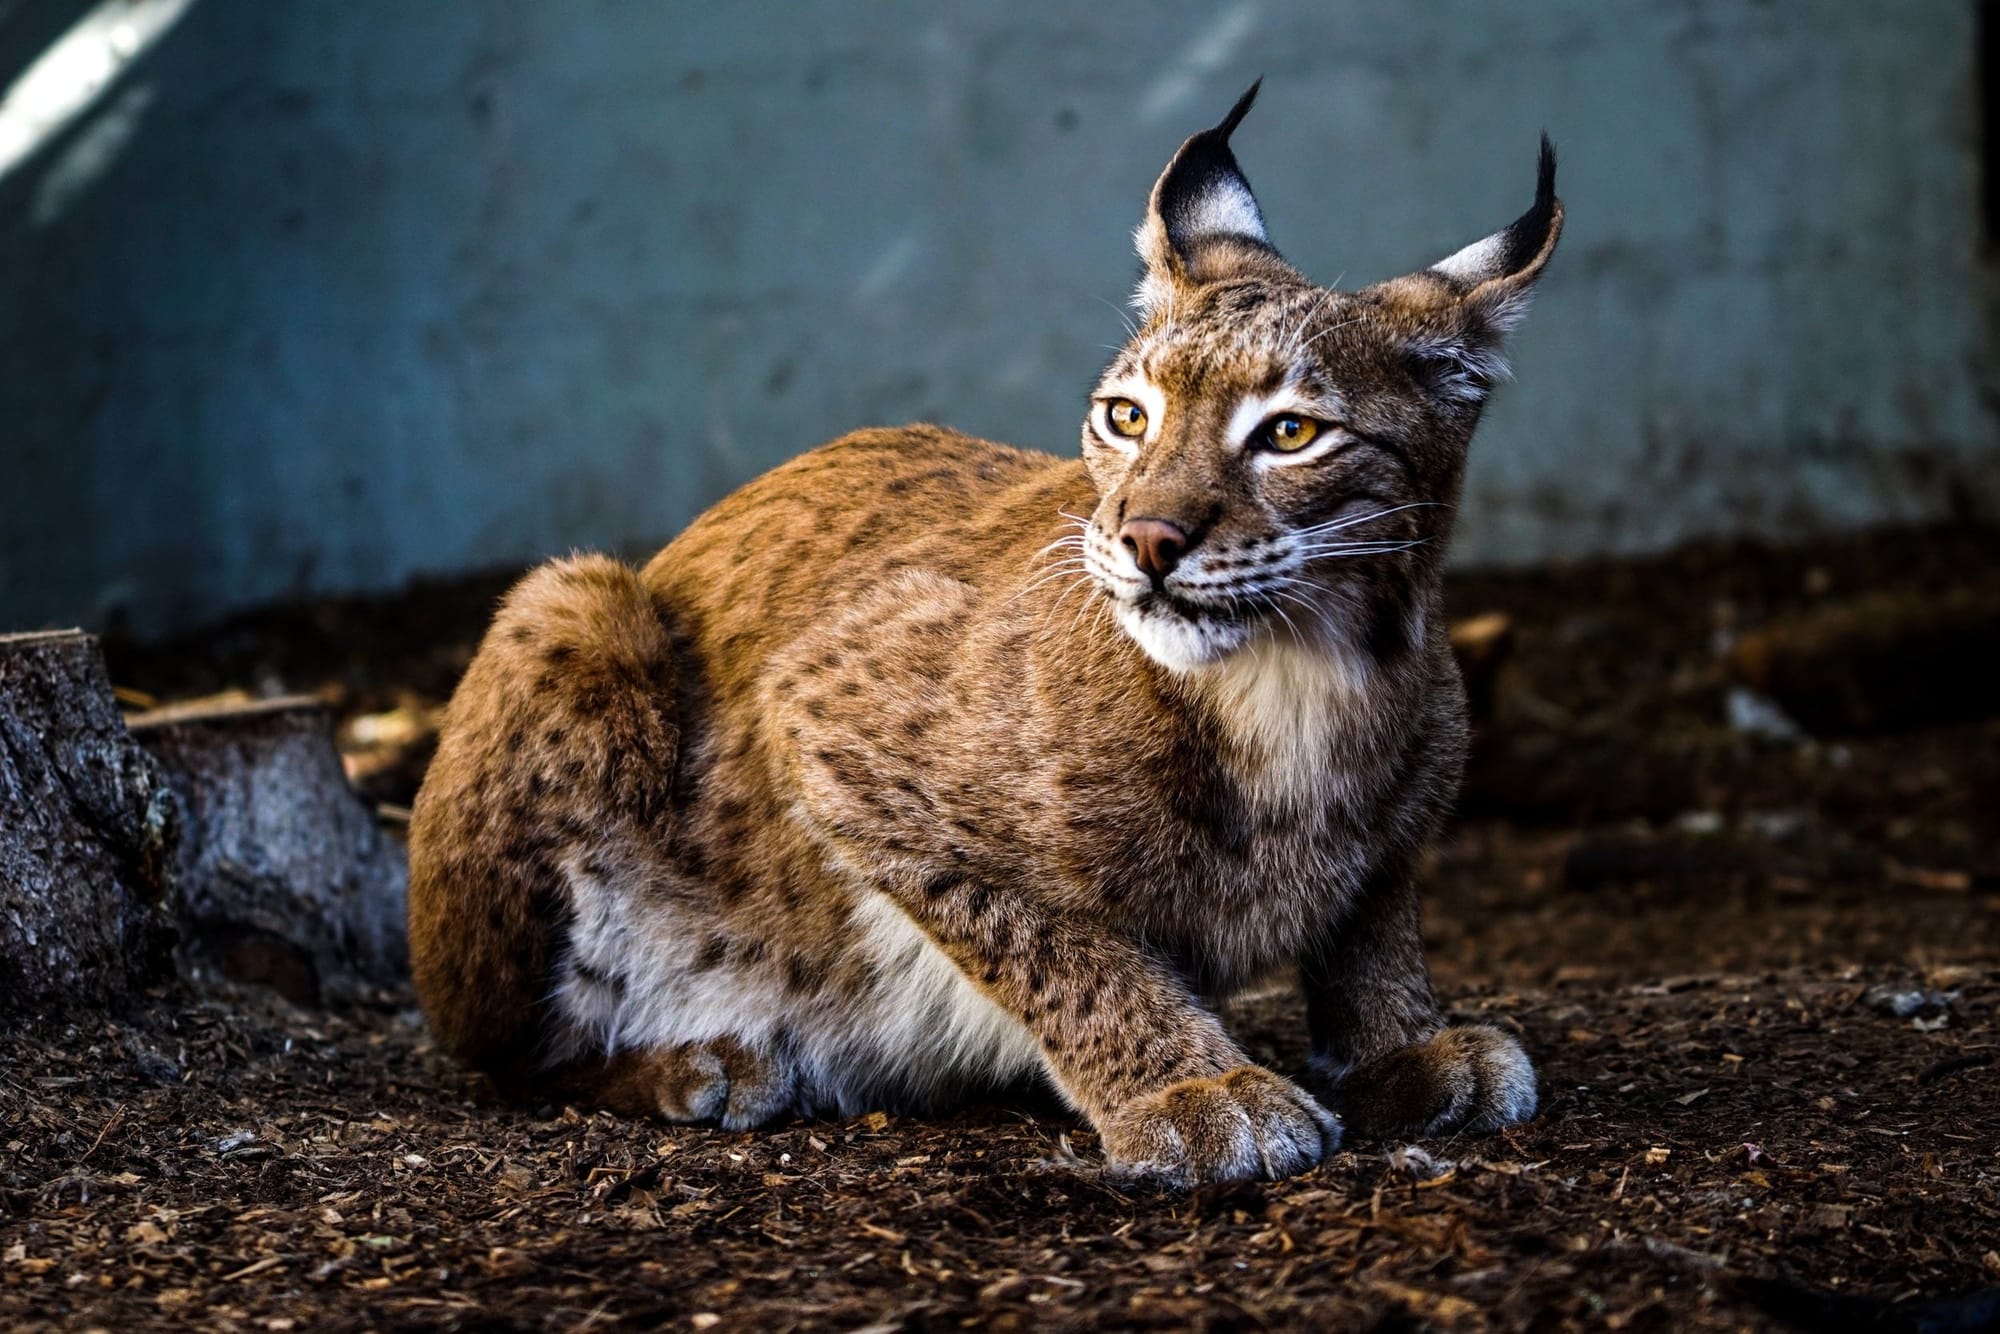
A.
pixel 328 293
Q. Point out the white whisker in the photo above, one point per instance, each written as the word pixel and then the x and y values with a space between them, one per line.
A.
pixel 1055 572
pixel 1362 549
pixel 1335 525
pixel 1088 599
pixel 1331 328
pixel 1074 539
pixel 1290 624
pixel 1064 570
pixel 1076 581
pixel 1291 342
pixel 1131 329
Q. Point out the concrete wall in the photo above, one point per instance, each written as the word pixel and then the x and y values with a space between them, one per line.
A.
pixel 325 295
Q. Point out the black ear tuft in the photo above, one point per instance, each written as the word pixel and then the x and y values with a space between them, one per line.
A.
pixel 1527 233
pixel 1524 244
pixel 1249 98
pixel 1203 192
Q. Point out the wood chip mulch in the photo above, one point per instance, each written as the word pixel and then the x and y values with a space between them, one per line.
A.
pixel 232 1163
pixel 1760 975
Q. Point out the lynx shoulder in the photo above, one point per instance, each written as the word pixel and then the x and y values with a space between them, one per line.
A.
pixel 923 764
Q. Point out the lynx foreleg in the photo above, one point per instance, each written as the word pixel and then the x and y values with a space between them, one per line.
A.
pixel 1171 1096
pixel 1379 1040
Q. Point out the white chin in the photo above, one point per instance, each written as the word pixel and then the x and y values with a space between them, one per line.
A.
pixel 1176 643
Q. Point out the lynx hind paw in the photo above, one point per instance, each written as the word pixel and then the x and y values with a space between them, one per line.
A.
pixel 1469 1077
pixel 721 1080
pixel 1246 1124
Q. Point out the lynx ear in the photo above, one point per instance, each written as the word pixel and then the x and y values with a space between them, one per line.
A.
pixel 1499 272
pixel 1460 308
pixel 1202 221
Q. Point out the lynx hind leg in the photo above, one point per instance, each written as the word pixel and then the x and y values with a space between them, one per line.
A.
pixel 1468 1077
pixel 720 1080
pixel 561 736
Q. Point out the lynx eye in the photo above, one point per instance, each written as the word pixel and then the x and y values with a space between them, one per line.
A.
pixel 1126 417
pixel 1289 434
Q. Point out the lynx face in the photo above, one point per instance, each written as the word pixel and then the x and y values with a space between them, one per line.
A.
pixel 1255 452
pixel 1277 459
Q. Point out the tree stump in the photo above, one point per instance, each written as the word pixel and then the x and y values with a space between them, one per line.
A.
pixel 285 878
pixel 88 835
pixel 1889 662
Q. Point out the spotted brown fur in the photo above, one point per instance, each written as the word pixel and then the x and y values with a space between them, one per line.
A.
pixel 894 775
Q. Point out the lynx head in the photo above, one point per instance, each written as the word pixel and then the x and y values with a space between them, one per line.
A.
pixel 1279 459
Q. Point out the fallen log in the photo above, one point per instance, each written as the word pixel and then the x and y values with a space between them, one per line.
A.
pixel 1879 664
pixel 88 834
pixel 286 879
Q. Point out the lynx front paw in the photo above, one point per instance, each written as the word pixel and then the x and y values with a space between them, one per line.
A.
pixel 720 1080
pixel 1468 1077
pixel 1248 1123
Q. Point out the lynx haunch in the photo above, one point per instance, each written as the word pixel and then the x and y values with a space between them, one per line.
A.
pixel 922 764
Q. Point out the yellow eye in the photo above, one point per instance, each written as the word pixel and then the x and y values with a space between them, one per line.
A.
pixel 1290 434
pixel 1126 417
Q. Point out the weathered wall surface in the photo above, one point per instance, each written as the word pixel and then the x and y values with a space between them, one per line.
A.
pixel 323 296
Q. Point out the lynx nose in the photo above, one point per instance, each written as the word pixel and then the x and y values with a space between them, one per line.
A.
pixel 1156 545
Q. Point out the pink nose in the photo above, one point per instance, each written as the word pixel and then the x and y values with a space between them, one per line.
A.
pixel 1155 544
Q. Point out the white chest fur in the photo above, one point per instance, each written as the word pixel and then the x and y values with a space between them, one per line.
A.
pixel 1285 707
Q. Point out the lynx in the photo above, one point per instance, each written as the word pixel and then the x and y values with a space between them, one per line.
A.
pixel 922 765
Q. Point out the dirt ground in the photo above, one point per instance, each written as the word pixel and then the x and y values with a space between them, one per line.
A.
pixel 1759 970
